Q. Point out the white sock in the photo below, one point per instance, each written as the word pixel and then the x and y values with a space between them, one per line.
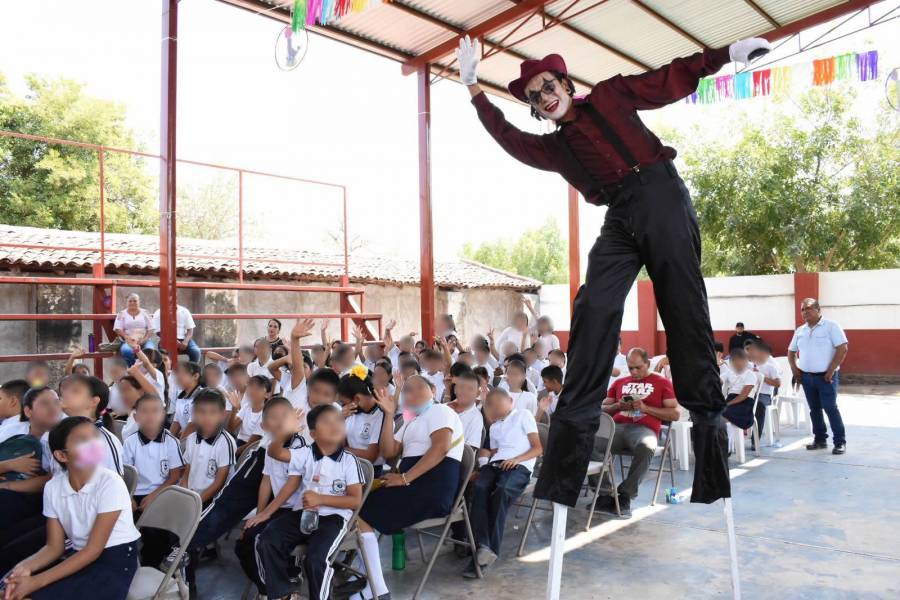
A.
pixel 370 547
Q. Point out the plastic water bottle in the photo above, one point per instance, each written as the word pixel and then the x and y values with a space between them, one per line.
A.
pixel 309 521
pixel 398 551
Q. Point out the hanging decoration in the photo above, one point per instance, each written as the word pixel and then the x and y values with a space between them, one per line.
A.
pixel 306 13
pixel 778 81
pixel 290 48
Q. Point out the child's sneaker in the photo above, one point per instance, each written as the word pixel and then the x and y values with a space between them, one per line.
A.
pixel 485 557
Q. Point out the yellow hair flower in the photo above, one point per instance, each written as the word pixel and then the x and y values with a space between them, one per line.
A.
pixel 360 372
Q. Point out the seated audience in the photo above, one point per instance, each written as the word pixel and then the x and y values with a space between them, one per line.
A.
pixel 638 403
pixel 505 471
pixel 134 326
pixel 189 378
pixel 184 332
pixel 87 396
pixel 467 391
pixel 209 450
pixel 11 394
pixel 516 384
pixel 331 482
pixel 761 355
pixel 262 352
pixel 364 418
pixel 246 417
pixel 552 378
pixel 89 505
pixel 737 385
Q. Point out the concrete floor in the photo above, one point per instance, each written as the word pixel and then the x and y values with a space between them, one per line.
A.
pixel 809 525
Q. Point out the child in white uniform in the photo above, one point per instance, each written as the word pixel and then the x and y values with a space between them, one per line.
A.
pixel 87 396
pixel 209 451
pixel 364 424
pixel 89 505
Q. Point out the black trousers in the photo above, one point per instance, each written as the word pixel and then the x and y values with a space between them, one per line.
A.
pixel 648 223
pixel 245 549
pixel 276 542
pixel 155 543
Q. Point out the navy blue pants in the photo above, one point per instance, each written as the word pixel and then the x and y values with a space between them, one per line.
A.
pixel 495 490
pixel 15 506
pixel 741 414
pixel 107 578
pixel 245 549
pixel 822 397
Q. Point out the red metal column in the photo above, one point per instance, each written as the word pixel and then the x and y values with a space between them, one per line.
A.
pixel 574 248
pixel 167 269
pixel 647 317
pixel 426 249
pixel 806 285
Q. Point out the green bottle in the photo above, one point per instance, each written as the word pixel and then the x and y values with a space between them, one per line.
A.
pixel 398 552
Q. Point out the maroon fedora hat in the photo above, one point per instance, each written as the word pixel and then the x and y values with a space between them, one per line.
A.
pixel 529 68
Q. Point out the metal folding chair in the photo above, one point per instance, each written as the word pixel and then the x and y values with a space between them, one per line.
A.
pixel 597 468
pixel 176 510
pixel 459 512
pixel 117 426
pixel 664 452
pixel 130 476
pixel 352 540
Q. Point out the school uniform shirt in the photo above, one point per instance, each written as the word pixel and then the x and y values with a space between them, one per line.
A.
pixel 255 368
pixel 153 458
pixel 816 345
pixel 533 375
pixel 328 475
pixel 13 426
pixel 363 429
pixel 206 456
pixel 184 407
pixel 473 425
pixel 768 369
pixel 510 334
pixel 490 366
pixel 115 400
pixel 551 342
pixel 129 427
pixel 298 396
pixel 620 363
pixel 524 400
pixel 251 423
pixel 734 382
pixel 415 435
pixel 104 492
pixel 509 436
pixel 437 380
pixel 278 471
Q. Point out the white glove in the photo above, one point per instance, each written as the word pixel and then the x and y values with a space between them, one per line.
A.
pixel 468 54
pixel 740 50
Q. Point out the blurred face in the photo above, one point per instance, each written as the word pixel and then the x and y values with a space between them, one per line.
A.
pixel 374 352
pixel 213 377
pixel 738 363
pixel 408 371
pixel 330 429
pixel 263 351
pixel 272 329
pixel 117 371
pixel 530 357
pixel 540 349
pixel 508 348
pixel 417 393
pixel 498 405
pixel 433 364
pixel 637 366
pixel 543 326
pixel 185 379
pixel 321 393
pixel 406 344
pixel 553 386
pixel 81 370
pixel 128 393
pixel 467 359
pixel 244 356
pixel 238 379
pixel 77 400
pixel 133 303
pixel 77 445
pixel 38 376
pixel 44 411
pixel 548 96
pixel 515 377
pixel 520 322
pixel 150 416
pixel 381 378
pixel 557 360
pixel 208 417
pixel 9 404
pixel 277 420
pixel 256 393
pixel 466 391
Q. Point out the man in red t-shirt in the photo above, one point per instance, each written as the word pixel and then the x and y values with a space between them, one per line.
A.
pixel 638 403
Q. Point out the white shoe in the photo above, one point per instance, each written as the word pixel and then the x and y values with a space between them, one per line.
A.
pixel 485 556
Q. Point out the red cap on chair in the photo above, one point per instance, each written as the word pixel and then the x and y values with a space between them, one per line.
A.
pixel 529 68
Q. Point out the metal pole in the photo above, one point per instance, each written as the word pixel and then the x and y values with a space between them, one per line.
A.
pixel 167 133
pixel 241 226
pixel 557 550
pixel 426 248
pixel 101 155
pixel 574 248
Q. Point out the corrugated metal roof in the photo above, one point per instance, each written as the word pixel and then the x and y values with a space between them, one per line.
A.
pixel 637 33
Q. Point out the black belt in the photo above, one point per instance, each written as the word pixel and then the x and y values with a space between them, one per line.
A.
pixel 822 374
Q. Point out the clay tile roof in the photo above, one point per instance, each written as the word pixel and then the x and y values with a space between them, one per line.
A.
pixel 76 251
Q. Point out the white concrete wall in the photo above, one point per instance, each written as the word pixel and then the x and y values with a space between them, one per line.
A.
pixel 862 299
pixel 762 302
pixel 555 303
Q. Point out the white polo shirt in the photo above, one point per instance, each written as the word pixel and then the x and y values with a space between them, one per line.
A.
pixel 415 435
pixel 437 380
pixel 734 382
pixel 104 492
pixel 254 368
pixel 816 345
pixel 278 471
pixel 473 425
pixel 298 396
pixel 251 423
pixel 184 407
pixel 768 369
pixel 525 401
pixel 13 426
pixel 153 458
pixel 206 457
pixel 509 436
pixel 115 400
pixel 184 320
pixel 329 475
pixel 133 326
pixel 364 429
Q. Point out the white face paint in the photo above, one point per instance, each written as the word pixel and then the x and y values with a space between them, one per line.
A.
pixel 554 100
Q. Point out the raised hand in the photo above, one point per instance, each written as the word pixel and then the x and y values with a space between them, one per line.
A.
pixel 390 325
pixel 743 51
pixel 302 328
pixel 386 402
pixel 468 54
pixel 234 398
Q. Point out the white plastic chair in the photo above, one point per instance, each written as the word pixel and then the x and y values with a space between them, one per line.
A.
pixel 176 510
pixel 792 396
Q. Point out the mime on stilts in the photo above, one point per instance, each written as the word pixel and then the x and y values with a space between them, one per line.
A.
pixel 603 149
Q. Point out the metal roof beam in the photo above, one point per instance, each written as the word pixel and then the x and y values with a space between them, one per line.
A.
pixel 482 29
pixel 762 13
pixel 587 37
pixel 818 18
pixel 678 29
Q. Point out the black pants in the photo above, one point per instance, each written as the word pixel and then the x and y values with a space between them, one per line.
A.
pixel 649 223
pixel 245 549
pixel 238 497
pixel 275 544
pixel 21 540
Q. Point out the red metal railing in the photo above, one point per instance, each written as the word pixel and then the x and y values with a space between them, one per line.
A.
pixel 104 287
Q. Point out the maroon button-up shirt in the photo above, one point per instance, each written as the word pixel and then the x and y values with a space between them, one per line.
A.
pixel 618 99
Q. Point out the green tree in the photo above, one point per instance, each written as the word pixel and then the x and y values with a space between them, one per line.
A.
pixel 208 211
pixel 807 190
pixel 539 253
pixel 49 185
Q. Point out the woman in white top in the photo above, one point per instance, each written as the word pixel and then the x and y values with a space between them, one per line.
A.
pixel 431 447
pixel 517 384
pixel 89 505
pixel 135 326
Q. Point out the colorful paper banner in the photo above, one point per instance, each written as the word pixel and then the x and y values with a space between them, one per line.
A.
pixel 322 12
pixel 778 81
